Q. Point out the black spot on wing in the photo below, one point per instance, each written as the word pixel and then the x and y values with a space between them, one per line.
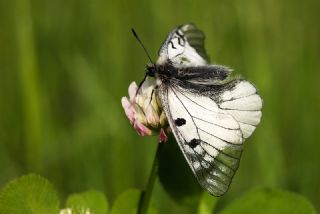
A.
pixel 194 142
pixel 179 121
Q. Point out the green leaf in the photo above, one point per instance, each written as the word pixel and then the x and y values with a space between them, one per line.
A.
pixel 128 203
pixel 176 176
pixel 207 203
pixel 94 200
pixel 271 201
pixel 30 194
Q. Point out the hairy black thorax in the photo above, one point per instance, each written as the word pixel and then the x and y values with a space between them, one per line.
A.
pixel 186 77
pixel 163 72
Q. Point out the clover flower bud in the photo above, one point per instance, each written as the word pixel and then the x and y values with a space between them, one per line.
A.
pixel 144 110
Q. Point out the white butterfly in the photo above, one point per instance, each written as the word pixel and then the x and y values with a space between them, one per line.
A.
pixel 210 114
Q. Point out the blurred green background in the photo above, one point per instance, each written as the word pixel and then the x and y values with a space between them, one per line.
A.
pixel 66 64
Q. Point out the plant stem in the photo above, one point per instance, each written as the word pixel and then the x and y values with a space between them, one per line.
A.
pixel 30 85
pixel 146 195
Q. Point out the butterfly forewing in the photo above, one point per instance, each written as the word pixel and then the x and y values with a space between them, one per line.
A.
pixel 211 137
pixel 184 46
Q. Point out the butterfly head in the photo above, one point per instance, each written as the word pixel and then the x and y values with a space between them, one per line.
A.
pixel 151 70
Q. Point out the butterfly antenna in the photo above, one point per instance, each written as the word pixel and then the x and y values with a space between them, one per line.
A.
pixel 145 50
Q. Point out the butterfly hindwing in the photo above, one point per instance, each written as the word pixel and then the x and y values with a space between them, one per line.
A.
pixel 184 46
pixel 244 104
pixel 211 129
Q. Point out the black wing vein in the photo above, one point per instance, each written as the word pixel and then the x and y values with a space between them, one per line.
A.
pixel 187 111
pixel 227 142
pixel 213 123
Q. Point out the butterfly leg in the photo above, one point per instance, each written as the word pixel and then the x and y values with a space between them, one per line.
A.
pixel 151 96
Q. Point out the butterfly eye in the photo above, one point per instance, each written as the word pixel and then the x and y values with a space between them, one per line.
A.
pixel 151 70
